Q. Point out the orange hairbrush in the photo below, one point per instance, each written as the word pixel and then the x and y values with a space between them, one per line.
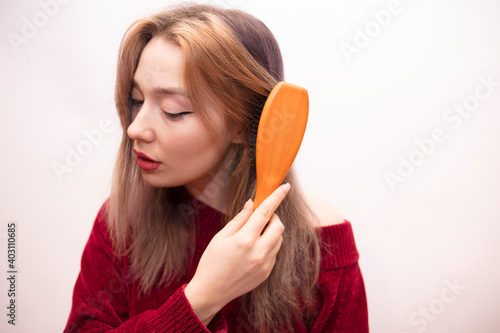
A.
pixel 281 128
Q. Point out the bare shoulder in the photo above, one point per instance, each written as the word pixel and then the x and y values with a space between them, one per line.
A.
pixel 326 214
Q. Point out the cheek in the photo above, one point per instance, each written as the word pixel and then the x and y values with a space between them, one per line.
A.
pixel 192 144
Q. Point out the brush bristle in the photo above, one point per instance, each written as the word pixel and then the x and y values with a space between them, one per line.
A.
pixel 254 126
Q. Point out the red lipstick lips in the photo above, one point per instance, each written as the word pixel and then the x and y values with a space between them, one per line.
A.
pixel 145 162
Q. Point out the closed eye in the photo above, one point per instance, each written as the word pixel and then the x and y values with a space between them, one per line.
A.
pixel 135 102
pixel 175 116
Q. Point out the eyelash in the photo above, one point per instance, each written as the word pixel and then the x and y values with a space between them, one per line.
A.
pixel 172 116
pixel 135 102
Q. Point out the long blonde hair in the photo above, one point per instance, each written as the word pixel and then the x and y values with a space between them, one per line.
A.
pixel 232 61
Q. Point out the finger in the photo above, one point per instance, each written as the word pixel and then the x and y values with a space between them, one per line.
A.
pixel 272 255
pixel 265 211
pixel 272 235
pixel 277 247
pixel 239 220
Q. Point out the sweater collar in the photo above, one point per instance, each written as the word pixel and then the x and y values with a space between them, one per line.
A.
pixel 338 247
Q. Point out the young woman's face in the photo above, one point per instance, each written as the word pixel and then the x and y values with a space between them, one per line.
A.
pixel 165 127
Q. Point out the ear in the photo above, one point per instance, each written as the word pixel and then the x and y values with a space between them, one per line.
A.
pixel 238 137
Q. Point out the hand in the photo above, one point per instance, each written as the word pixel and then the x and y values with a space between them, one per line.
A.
pixel 238 258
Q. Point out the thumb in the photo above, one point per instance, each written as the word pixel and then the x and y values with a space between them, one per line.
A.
pixel 239 220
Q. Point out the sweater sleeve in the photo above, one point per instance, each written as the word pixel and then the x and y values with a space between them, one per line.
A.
pixel 101 297
pixel 342 291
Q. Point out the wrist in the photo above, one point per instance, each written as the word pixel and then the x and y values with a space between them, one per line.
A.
pixel 203 302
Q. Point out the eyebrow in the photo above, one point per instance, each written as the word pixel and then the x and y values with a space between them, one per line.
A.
pixel 163 91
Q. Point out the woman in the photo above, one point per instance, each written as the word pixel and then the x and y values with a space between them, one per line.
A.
pixel 172 249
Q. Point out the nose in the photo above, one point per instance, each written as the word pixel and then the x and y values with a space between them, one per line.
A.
pixel 142 126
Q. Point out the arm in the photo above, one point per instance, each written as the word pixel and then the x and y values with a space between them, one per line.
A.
pixel 344 308
pixel 342 297
pixel 100 297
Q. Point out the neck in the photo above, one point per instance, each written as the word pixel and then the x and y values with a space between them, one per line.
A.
pixel 212 190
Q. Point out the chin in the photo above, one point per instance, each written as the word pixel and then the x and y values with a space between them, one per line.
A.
pixel 155 180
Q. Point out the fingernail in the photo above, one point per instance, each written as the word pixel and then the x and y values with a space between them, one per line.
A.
pixel 286 187
pixel 247 204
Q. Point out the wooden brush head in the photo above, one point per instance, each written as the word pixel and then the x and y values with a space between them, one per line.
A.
pixel 281 128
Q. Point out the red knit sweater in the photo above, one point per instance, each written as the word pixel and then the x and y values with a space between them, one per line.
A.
pixel 106 300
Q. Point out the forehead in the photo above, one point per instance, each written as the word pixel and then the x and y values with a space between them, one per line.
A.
pixel 160 65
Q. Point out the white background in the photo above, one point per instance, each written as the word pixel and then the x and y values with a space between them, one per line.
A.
pixel 440 224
